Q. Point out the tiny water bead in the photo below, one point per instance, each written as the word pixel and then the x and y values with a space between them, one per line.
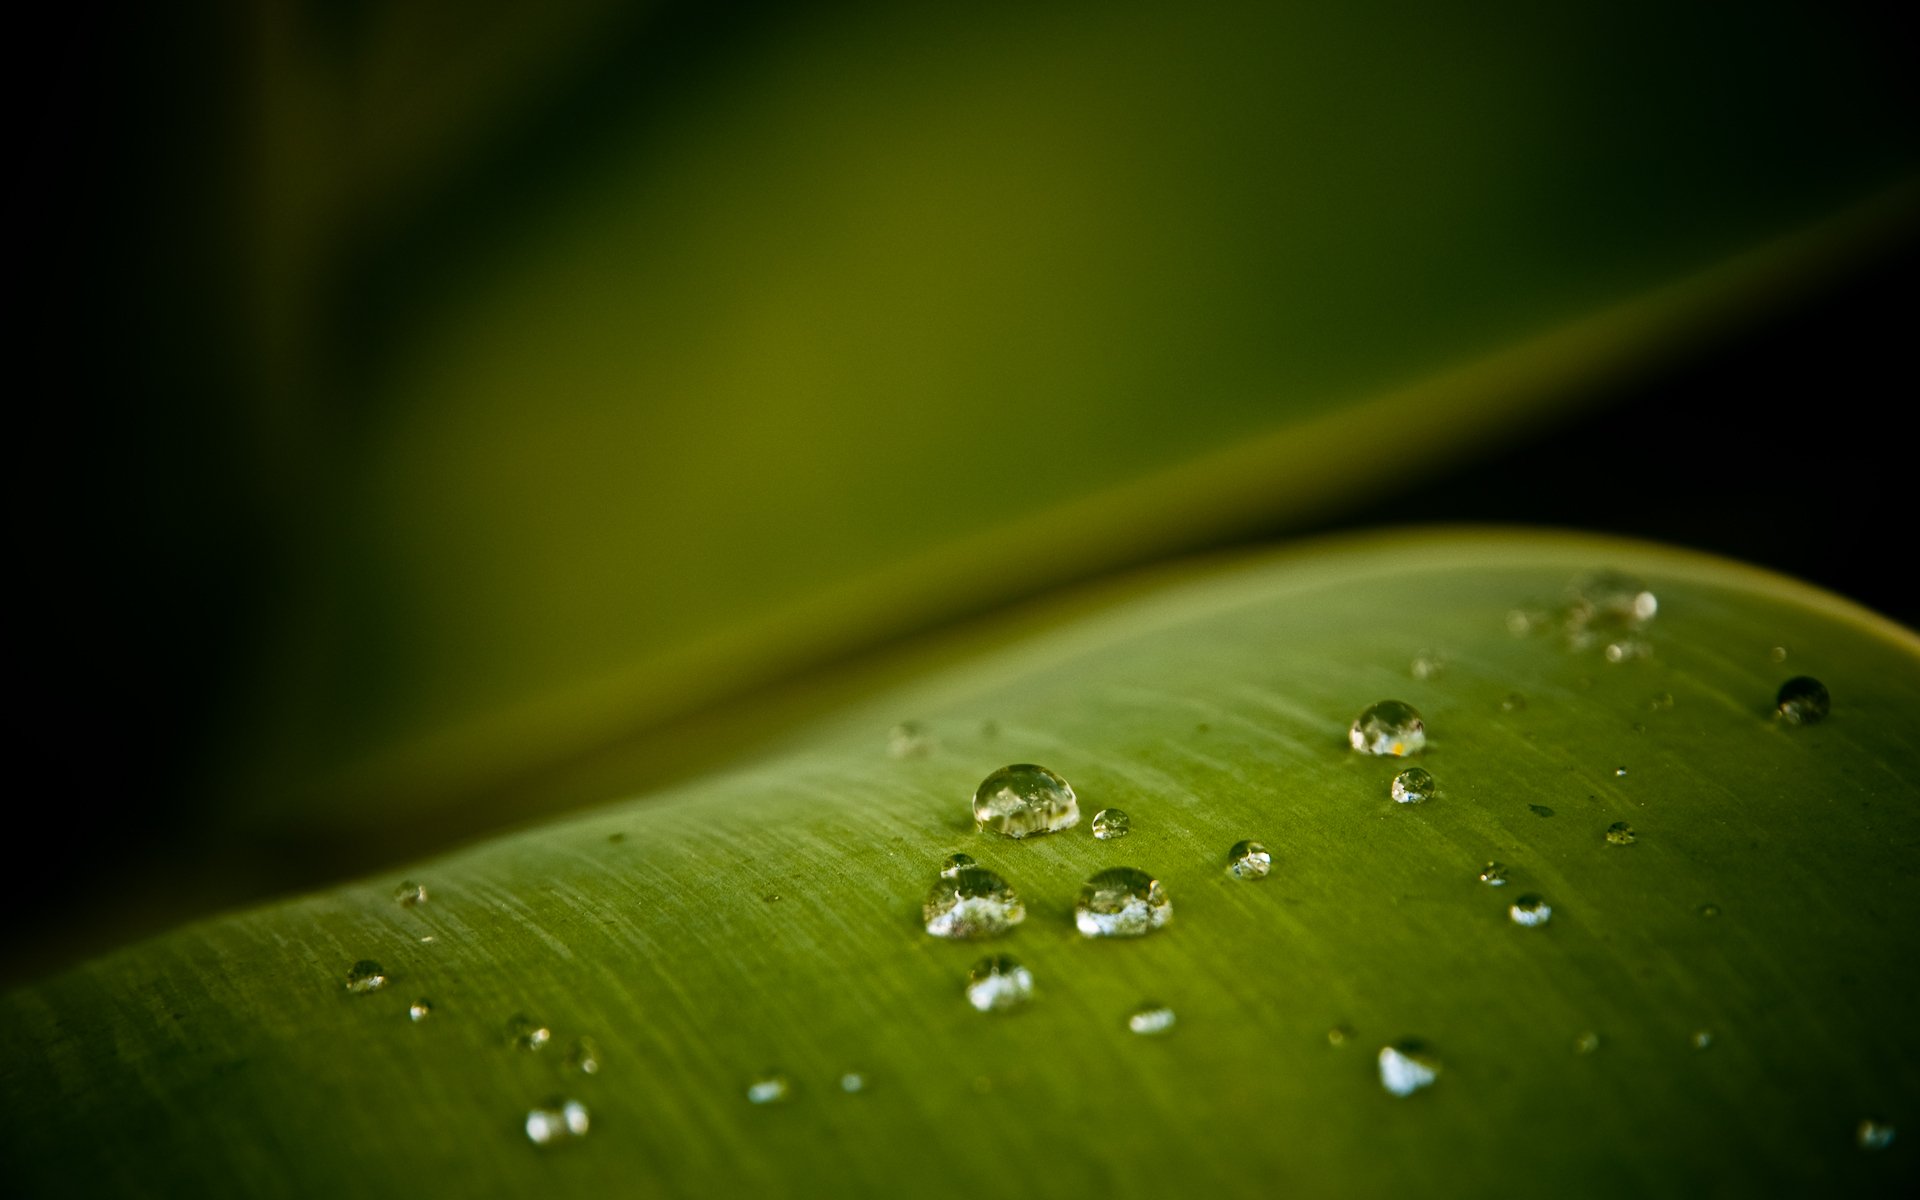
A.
pixel 584 1056
pixel 366 976
pixel 1778 654
pixel 528 1034
pixel 1513 702
pixel 956 863
pixel 420 1009
pixel 1661 702
pixel 1121 902
pixel 1494 874
pixel 1609 600
pixel 910 739
pixel 1413 786
pixel 971 903
pixel 1407 1066
pixel 1620 834
pixel 1586 1043
pixel 999 983
pixel 769 1087
pixel 1426 665
pixel 1524 622
pixel 1627 650
pixel 1702 1038
pixel 1802 700
pixel 853 1081
pixel 1249 860
pixel 1709 911
pixel 557 1120
pixel 1530 910
pixel 1111 823
pixel 1873 1135
pixel 1338 1035
pixel 1388 727
pixel 1023 800
pixel 410 893
pixel 1150 1020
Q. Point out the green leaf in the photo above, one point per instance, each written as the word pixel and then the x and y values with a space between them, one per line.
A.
pixel 768 917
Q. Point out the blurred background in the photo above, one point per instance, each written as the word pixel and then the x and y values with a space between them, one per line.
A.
pixel 455 413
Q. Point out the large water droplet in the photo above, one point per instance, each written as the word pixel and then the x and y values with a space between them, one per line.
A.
pixel 420 1009
pixel 584 1056
pixel 1121 902
pixel 1150 1020
pixel 999 983
pixel 1413 785
pixel 769 1087
pixel 1530 910
pixel 972 902
pixel 956 863
pixel 527 1033
pixel 1620 834
pixel 1249 860
pixel 1111 823
pixel 366 976
pixel 1802 700
pixel 1609 600
pixel 557 1120
pixel 1494 874
pixel 1873 1135
pixel 1407 1066
pixel 910 739
pixel 1023 799
pixel 410 893
pixel 1389 727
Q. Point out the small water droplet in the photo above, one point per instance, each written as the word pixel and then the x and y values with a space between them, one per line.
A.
pixel 1802 700
pixel 1388 727
pixel 1338 1035
pixel 527 1033
pixel 420 1010
pixel 1540 810
pixel 1407 1066
pixel 1121 902
pixel 1702 1038
pixel 366 976
pixel 1151 1019
pixel 410 893
pixel 1778 654
pixel 1628 650
pixel 1111 823
pixel 1524 622
pixel 1609 600
pixel 1586 1043
pixel 1494 874
pixel 973 902
pixel 1620 834
pixel 956 863
pixel 910 739
pixel 557 1120
pixel 427 940
pixel 1709 910
pixel 1249 860
pixel 769 1087
pixel 1024 799
pixel 1426 665
pixel 999 983
pixel 584 1056
pixel 1514 702
pixel 1530 910
pixel 1873 1135
pixel 1413 785
pixel 1662 701
pixel 1619 771
pixel 853 1081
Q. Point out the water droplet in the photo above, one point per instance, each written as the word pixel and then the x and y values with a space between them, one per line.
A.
pixel 1389 727
pixel 1586 1043
pixel 1609 600
pixel 1873 1135
pixel 853 1081
pixel 1702 1038
pixel 1514 702
pixel 420 1010
pixel 1619 771
pixel 1407 1066
pixel 999 983
pixel 527 1033
pixel 1494 874
pixel 1338 1035
pixel 1110 823
pixel 557 1120
pixel 584 1056
pixel 366 976
pixel 1023 799
pixel 769 1087
pixel 1121 902
pixel 410 893
pixel 1151 1019
pixel 910 739
pixel 1540 810
pixel 1662 701
pixel 1778 654
pixel 972 902
pixel 1709 910
pixel 1413 785
pixel 1249 860
pixel 1802 700
pixel 1530 910
pixel 1426 665
pixel 1627 650
pixel 1620 834
pixel 955 864
pixel 1523 622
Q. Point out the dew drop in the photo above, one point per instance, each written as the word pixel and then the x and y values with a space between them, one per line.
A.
pixel 1540 810
pixel 1338 1035
pixel 1530 910
pixel 527 1033
pixel 1778 654
pixel 1249 860
pixel 972 902
pixel 1426 665
pixel 1389 727
pixel 999 983
pixel 769 1087
pixel 1702 1038
pixel 1111 823
pixel 956 863
pixel 1620 834
pixel 1802 700
pixel 420 1009
pixel 557 1120
pixel 1609 600
pixel 910 739
pixel 1586 1043
pixel 1150 1020
pixel 1661 702
pixel 1709 910
pixel 1407 1066
pixel 1514 702
pixel 1121 902
pixel 584 1056
pixel 410 893
pixel 366 976
pixel 1413 785
pixel 853 1081
pixel 1494 874
pixel 1873 1135
pixel 1618 772
pixel 1022 800
pixel 1627 650
pixel 1524 622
